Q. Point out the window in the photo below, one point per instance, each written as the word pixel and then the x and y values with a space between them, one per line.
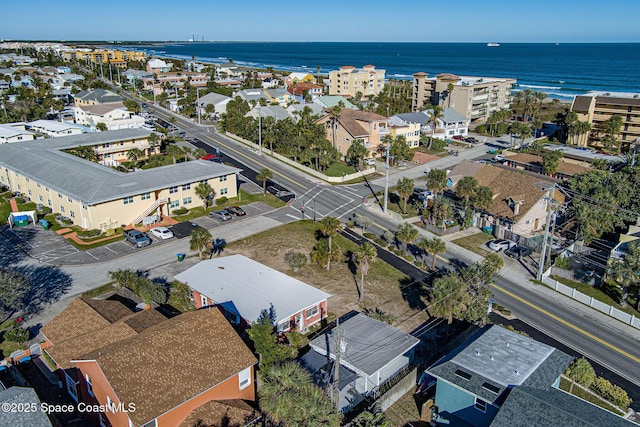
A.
pixel 19 187
pixel 27 179
pixel 244 377
pixel 38 185
pixel 89 385
pixel 174 203
pixel 223 191
pixel 186 201
pixel 145 196
pixel 49 202
pixel 223 178
pixel 70 199
pixel 59 196
pixel 310 312
pixel 47 189
pixel 173 190
pixel 29 191
pixel 203 300
pixel 128 200
pixel 186 187
pixel 61 208
pixel 480 405
pixel 41 198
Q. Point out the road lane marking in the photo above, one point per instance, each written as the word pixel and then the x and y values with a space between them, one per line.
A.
pixel 294 217
pixel 566 323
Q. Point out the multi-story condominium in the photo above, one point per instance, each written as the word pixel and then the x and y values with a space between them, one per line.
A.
pixel 596 108
pixel 476 98
pixel 114 57
pixel 410 132
pixel 94 196
pixel 172 81
pixel 349 80
pixel 114 116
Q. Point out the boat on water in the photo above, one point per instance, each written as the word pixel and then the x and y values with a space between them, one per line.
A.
pixel 493 44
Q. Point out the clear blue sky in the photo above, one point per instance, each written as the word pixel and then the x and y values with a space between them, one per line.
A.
pixel 329 20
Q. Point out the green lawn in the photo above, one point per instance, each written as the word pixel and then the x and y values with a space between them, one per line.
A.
pixel 339 169
pixel 475 243
pixel 243 199
pixel 395 204
pixel 101 290
pixel 607 293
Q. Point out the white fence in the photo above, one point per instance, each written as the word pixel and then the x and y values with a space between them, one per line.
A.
pixel 313 172
pixel 591 302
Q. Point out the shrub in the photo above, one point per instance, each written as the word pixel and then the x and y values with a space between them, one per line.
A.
pixel 611 392
pixel 148 290
pixel 563 262
pixel 180 211
pixel 297 340
pixel 88 234
pixel 16 335
pixel 46 210
pixel 378 241
pixel 371 236
pixel 501 309
pixel 296 260
pixel 581 372
pixel 110 232
pixel 481 128
pixel 438 144
pixel 221 201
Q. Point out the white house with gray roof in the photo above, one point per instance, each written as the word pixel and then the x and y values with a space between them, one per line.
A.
pixel 451 124
pixel 372 351
pixel 218 101
pixel 10 133
pixel 97 97
pixel 54 129
pixel 251 95
pixel 98 197
pixel 275 111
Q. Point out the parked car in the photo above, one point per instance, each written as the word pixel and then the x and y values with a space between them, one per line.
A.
pixel 162 232
pixel 222 215
pixel 422 195
pixel 370 162
pixel 278 193
pixel 236 210
pixel 137 238
pixel 458 137
pixel 518 252
pixel 471 140
pixel 501 244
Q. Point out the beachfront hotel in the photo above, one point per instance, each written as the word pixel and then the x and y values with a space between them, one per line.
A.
pixel 349 80
pixel 596 108
pixel 476 98
pixel 94 196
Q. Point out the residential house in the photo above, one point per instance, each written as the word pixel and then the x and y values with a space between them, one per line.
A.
pixel 409 131
pixel 520 202
pixel 356 124
pixel 295 110
pixel 218 101
pixel 156 65
pixel 172 82
pixel 476 98
pixel 278 96
pixel 53 128
pixel 63 69
pixel 330 101
pixel 301 91
pixel 451 124
pixel 252 96
pixel 18 404
pixel 226 71
pixel 270 83
pixel 622 248
pixel 534 163
pixel 15 133
pixel 299 77
pixel 277 112
pixel 136 75
pixel 500 378
pixel 114 116
pixel 242 288
pixel 371 354
pixel 97 97
pixel 596 108
pixel 349 80
pixel 95 196
pixel 107 354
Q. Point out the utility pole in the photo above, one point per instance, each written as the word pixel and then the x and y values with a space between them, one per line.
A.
pixel 336 370
pixel 545 242
pixel 260 129
pixel 198 104
pixel 386 178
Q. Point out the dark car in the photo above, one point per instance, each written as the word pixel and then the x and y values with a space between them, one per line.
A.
pixel 518 252
pixel 471 140
pixel 236 210
pixel 137 238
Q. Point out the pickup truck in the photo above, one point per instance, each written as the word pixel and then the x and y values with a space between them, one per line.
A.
pixel 137 238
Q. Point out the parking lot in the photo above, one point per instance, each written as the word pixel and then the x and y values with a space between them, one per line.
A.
pixel 49 247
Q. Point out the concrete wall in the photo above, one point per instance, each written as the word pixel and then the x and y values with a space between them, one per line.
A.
pixel 398 390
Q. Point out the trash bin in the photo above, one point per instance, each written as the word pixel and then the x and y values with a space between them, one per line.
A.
pixel 45 225
pixel 180 257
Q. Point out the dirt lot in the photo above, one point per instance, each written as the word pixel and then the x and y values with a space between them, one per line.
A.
pixel 385 287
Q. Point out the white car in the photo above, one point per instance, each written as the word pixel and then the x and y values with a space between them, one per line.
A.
pixel 370 162
pixel 162 233
pixel 501 244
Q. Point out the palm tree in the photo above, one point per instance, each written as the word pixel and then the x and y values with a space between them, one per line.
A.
pixel 205 193
pixel 483 198
pixel 334 118
pixel 357 151
pixel 264 175
pixel 436 114
pixel 133 155
pixel 102 127
pixel 404 187
pixel 364 256
pixel 153 141
pixel 437 180
pixel 406 234
pixel 626 271
pixel 540 97
pixel 450 298
pixel 198 153
pixel 450 88
pixel 174 151
pixel 323 254
pixel 329 227
pixel 436 246
pixel 467 187
pixel 423 245
pixel 200 240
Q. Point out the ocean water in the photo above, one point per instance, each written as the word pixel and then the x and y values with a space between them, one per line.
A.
pixel 561 70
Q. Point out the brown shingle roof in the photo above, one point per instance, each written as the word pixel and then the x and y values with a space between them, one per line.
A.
pixel 564 168
pixel 173 361
pixel 220 412
pixel 581 104
pixel 634 102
